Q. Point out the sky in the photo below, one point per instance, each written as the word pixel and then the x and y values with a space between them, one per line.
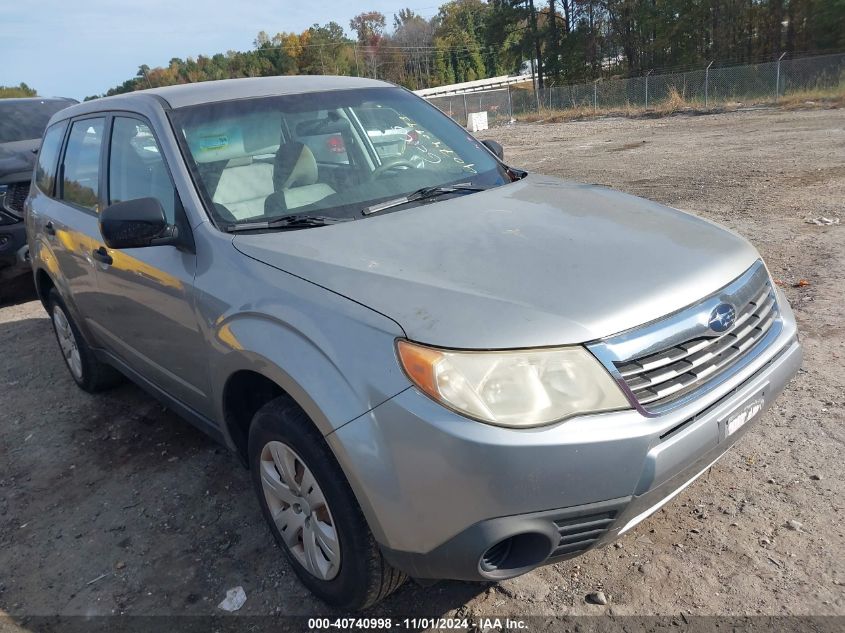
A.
pixel 76 48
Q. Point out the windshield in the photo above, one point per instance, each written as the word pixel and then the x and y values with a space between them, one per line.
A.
pixel 23 120
pixel 330 153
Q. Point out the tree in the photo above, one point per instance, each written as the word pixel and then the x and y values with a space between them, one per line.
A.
pixel 21 90
pixel 369 28
pixel 458 39
pixel 571 41
pixel 413 36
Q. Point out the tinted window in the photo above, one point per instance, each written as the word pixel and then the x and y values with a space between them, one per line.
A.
pixel 26 119
pixel 48 157
pixel 136 166
pixel 80 182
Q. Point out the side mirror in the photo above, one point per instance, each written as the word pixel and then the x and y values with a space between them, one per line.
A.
pixel 496 148
pixel 136 224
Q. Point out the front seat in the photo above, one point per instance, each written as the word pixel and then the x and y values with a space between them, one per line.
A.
pixel 295 176
pixel 244 186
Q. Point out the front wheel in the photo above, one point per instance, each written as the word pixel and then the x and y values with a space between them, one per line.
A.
pixel 312 511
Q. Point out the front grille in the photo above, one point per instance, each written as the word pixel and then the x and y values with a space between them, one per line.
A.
pixel 662 377
pixel 16 193
pixel 579 533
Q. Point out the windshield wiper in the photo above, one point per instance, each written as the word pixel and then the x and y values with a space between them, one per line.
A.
pixel 286 222
pixel 421 194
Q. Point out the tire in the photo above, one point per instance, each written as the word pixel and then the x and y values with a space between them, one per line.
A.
pixel 89 373
pixel 358 576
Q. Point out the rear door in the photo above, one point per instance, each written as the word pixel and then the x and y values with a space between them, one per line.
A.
pixel 151 323
pixel 66 216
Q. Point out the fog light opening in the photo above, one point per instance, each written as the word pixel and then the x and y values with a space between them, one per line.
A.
pixel 514 555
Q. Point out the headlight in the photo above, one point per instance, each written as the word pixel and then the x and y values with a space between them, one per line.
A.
pixel 520 388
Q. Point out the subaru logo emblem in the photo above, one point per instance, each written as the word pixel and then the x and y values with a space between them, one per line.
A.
pixel 722 318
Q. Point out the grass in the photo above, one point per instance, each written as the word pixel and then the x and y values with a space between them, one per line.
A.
pixel 817 98
pixel 676 103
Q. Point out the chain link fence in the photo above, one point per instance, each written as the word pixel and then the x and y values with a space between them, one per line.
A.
pixel 698 88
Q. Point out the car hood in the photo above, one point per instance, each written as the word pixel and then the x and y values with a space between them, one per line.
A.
pixel 17 159
pixel 537 262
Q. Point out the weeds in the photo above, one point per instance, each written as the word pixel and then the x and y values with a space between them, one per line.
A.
pixel 676 103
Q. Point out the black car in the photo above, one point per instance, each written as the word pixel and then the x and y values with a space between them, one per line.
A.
pixel 22 123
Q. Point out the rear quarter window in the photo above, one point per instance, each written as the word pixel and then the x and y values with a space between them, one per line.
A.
pixel 48 158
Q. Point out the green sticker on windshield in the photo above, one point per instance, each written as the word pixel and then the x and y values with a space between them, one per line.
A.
pixel 212 143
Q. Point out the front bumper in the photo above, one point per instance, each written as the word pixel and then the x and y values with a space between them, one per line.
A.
pixel 439 490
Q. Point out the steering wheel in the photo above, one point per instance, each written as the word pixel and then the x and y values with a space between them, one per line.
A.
pixel 390 165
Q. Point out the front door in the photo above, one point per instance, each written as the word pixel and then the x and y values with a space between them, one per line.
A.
pixel 152 324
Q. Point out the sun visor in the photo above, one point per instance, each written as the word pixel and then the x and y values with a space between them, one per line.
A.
pixel 239 137
pixel 220 142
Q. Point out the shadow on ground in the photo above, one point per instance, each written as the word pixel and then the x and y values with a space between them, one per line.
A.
pixel 16 291
pixel 111 504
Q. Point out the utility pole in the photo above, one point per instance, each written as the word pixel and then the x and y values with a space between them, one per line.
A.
pixel 532 18
pixel 510 105
pixel 596 95
pixel 777 78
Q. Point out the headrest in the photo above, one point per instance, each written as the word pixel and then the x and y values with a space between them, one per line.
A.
pixel 295 166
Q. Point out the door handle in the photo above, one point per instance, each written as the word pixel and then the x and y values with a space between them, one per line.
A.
pixel 102 256
pixel 49 228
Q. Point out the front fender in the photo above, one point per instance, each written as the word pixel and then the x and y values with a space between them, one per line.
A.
pixel 333 356
pixel 285 355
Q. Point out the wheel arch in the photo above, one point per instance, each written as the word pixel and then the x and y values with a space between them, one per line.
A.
pixel 249 387
pixel 43 284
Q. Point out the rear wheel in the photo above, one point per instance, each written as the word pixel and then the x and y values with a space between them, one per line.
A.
pixel 312 511
pixel 88 372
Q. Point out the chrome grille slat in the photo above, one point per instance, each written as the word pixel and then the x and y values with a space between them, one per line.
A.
pixel 661 377
pixel 687 350
pixel 731 352
pixel 714 348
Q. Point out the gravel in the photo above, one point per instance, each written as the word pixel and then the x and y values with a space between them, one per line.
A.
pixel 189 529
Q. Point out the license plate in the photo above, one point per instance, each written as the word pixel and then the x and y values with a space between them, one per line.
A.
pixel 741 417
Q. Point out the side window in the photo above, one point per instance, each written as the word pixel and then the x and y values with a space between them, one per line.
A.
pixel 136 167
pixel 48 157
pixel 81 175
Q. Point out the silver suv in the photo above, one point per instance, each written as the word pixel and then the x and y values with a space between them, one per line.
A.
pixel 434 364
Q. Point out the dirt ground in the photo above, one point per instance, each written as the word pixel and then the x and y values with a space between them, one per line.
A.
pixel 110 504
